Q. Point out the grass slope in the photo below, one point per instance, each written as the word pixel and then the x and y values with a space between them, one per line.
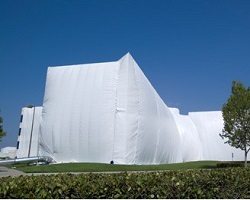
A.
pixel 99 167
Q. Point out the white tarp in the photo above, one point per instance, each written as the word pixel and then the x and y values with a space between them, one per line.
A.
pixel 8 152
pixel 27 143
pixel 200 137
pixel 109 111
pixel 191 146
pixel 209 125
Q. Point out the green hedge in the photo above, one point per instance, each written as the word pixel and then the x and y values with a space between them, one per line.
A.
pixel 230 164
pixel 220 183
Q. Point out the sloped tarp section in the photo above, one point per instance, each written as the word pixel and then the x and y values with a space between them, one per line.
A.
pixel 27 143
pixel 106 112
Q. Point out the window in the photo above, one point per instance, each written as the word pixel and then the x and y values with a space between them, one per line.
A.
pixel 17 145
pixel 21 119
pixel 19 132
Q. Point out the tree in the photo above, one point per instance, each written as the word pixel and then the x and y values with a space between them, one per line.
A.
pixel 236 114
pixel 29 106
pixel 2 133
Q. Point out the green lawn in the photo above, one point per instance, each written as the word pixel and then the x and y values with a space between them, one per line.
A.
pixel 98 167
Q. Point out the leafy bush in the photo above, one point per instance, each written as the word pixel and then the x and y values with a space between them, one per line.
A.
pixel 230 164
pixel 220 183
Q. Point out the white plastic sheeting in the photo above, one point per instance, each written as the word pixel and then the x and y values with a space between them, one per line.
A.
pixel 27 144
pixel 191 146
pixel 109 111
pixel 200 138
pixel 209 125
pixel 8 152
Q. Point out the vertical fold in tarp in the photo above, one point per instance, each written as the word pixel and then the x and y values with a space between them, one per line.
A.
pixel 127 112
pixel 191 146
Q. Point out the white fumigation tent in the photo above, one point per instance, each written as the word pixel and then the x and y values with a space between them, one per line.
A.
pixel 103 112
pixel 109 111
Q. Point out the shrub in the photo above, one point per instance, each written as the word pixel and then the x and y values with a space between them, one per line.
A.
pixel 220 183
pixel 230 164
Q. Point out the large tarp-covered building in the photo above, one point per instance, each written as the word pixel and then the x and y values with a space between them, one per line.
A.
pixel 109 111
pixel 106 111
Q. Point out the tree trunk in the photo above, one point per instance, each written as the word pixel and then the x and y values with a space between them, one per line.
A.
pixel 246 158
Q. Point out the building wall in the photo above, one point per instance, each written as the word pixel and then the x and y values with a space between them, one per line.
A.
pixel 27 143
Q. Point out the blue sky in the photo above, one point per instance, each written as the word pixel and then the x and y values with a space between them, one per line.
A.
pixel 189 50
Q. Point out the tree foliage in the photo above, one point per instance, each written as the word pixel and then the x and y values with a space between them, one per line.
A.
pixel 236 114
pixel 2 133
